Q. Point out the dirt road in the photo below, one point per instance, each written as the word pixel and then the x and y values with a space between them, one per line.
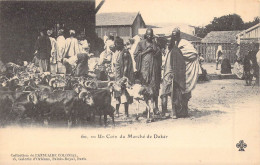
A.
pixel 222 112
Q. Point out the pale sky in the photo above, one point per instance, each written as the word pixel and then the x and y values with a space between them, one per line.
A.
pixel 193 12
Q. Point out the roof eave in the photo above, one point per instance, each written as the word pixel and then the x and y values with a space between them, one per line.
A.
pixel 244 31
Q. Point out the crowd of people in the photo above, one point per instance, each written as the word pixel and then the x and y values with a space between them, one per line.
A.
pixel 139 60
pixel 60 55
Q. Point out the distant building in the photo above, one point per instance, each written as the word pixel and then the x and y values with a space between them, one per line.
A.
pixel 121 24
pixel 251 34
pixel 227 39
pixel 168 27
pixel 166 32
pixel 248 38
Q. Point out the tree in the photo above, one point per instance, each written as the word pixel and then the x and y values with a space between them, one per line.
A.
pixel 253 23
pixel 226 23
pixel 229 22
pixel 201 32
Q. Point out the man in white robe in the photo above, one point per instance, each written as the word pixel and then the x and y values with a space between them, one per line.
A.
pixel 53 59
pixel 71 51
pixel 61 43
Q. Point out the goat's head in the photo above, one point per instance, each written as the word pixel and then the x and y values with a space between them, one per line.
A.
pixel 86 97
pixel 33 97
pixel 91 84
pixel 52 81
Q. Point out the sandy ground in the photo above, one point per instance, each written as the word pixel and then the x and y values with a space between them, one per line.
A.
pixel 222 112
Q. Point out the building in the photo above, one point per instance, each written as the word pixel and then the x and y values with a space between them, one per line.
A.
pixel 251 34
pixel 121 24
pixel 227 39
pixel 21 21
pixel 168 27
pixel 167 32
pixel 248 38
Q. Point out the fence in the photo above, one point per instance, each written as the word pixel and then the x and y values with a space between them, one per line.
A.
pixel 208 50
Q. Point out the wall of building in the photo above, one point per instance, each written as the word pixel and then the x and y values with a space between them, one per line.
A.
pixel 121 31
pixel 208 51
pixel 138 23
pixel 21 21
pixel 254 33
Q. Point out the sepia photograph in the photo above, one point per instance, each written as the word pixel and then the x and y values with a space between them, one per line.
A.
pixel 129 82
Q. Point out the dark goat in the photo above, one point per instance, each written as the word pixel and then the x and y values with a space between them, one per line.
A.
pixel 101 103
pixel 64 99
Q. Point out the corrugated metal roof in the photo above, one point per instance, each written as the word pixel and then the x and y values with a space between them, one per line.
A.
pixel 110 19
pixel 220 37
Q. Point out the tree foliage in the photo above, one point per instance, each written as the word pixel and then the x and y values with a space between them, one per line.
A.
pixel 229 22
pixel 252 23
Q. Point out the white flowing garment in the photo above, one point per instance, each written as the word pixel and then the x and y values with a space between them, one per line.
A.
pixel 71 50
pixel 132 50
pixel 192 64
pixel 60 48
pixel 72 47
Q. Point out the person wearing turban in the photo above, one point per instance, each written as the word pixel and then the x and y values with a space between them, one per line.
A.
pixel 148 60
pixel 180 75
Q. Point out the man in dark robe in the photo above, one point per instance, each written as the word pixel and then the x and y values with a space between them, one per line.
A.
pixel 253 54
pixel 251 68
pixel 248 69
pixel 123 67
pixel 180 75
pixel 148 59
pixel 43 51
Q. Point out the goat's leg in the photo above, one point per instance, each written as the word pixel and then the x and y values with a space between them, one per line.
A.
pixel 137 110
pixel 93 115
pixel 105 119
pixel 100 122
pixel 69 118
pixel 152 102
pixel 113 119
pixel 117 109
pixel 148 120
pixel 156 107
pixel 126 109
pixel 148 109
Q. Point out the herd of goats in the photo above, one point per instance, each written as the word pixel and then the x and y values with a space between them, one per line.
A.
pixel 30 97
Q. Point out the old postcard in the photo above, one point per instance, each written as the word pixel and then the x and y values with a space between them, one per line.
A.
pixel 129 82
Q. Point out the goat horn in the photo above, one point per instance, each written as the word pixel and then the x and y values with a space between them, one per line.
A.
pixel 82 94
pixel 86 84
pixel 51 81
